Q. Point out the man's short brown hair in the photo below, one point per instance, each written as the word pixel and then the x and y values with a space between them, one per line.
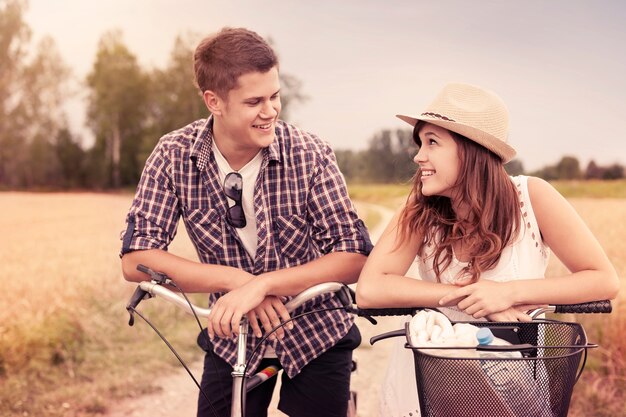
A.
pixel 221 58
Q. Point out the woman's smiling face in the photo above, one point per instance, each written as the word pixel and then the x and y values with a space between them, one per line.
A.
pixel 438 161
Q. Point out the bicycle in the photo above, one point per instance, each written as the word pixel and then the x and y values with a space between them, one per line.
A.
pixel 242 383
pixel 537 380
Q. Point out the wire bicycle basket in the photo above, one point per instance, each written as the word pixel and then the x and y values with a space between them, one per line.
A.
pixel 539 382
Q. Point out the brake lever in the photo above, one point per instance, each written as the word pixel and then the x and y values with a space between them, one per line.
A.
pixel 136 298
pixel 361 313
pixel 347 296
pixel 158 277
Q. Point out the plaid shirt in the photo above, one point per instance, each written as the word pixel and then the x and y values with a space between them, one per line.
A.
pixel 302 212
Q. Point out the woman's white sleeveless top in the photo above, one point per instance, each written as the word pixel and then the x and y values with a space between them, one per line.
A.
pixel 526 258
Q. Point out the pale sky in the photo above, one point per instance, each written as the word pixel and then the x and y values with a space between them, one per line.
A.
pixel 558 64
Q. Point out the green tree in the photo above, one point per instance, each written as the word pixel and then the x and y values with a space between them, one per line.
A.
pixel 405 151
pixel 593 171
pixel 380 157
pixel 117 110
pixel 514 167
pixel 174 98
pixel 44 90
pixel 352 164
pixel 568 168
pixel 548 173
pixel 613 172
pixel 388 158
pixel 14 38
pixel 31 101
pixel 71 157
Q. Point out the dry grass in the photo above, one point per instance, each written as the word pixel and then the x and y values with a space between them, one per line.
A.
pixel 601 391
pixel 65 347
pixel 592 188
pixel 388 195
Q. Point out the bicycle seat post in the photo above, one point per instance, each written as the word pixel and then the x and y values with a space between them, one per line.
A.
pixel 239 371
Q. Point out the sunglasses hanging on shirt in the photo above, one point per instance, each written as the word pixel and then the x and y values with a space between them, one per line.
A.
pixel 233 186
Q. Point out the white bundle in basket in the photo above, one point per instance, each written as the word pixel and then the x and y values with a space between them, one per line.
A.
pixel 432 328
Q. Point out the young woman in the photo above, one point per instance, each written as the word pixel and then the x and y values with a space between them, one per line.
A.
pixel 481 239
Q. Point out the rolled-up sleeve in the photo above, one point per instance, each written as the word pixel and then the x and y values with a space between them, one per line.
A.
pixel 152 220
pixel 336 225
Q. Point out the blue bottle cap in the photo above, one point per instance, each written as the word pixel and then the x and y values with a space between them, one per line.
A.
pixel 484 336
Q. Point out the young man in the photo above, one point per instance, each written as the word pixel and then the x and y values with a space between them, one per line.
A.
pixel 268 212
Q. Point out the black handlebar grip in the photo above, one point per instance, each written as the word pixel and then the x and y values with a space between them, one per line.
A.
pixel 144 269
pixel 603 306
pixel 380 312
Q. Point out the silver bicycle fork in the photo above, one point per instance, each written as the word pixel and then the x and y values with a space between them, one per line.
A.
pixel 239 372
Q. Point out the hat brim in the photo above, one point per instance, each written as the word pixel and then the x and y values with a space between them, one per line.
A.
pixel 495 145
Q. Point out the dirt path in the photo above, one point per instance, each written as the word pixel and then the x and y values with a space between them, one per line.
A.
pixel 177 394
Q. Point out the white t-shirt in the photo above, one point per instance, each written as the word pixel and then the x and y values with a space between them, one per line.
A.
pixel 248 235
pixel 249 174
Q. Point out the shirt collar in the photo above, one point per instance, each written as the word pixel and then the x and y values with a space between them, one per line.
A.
pixel 273 151
pixel 201 148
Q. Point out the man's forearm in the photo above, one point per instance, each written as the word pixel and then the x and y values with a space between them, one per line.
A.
pixel 336 266
pixel 189 275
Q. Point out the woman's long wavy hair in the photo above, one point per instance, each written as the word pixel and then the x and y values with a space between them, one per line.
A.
pixel 494 217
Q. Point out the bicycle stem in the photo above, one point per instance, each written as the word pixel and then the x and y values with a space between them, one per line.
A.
pixel 239 371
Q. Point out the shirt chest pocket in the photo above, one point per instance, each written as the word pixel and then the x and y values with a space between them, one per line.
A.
pixel 205 228
pixel 293 236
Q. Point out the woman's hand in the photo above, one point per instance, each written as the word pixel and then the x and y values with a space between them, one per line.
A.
pixel 481 299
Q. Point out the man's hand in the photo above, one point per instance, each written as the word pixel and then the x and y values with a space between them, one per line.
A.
pixel 229 309
pixel 269 313
pixel 481 299
pixel 249 299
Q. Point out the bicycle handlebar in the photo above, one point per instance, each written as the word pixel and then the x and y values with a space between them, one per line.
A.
pixel 155 288
pixel 152 289
pixel 382 312
pixel 603 306
pixel 592 307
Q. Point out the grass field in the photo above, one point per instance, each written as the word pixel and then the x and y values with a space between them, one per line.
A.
pixel 66 349
pixel 390 195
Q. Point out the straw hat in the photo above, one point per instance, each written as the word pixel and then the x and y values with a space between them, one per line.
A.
pixel 472 112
